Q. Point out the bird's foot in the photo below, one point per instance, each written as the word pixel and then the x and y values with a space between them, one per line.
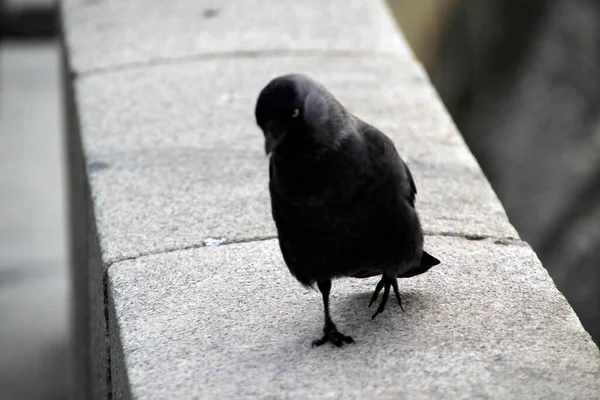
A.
pixel 332 335
pixel 385 284
pixel 397 293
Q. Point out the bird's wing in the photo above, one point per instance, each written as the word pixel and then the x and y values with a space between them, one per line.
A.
pixel 393 161
pixel 411 182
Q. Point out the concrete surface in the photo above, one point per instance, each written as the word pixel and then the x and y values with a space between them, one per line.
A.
pixel 34 282
pixel 112 34
pixel 230 321
pixel 174 160
pixel 170 172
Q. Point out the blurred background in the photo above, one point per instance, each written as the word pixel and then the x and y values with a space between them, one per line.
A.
pixel 518 77
pixel 34 283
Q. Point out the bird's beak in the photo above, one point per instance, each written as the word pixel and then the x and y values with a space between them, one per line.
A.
pixel 269 142
pixel 274 132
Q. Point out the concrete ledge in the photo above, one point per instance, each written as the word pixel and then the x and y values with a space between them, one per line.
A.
pixel 112 34
pixel 230 321
pixel 165 155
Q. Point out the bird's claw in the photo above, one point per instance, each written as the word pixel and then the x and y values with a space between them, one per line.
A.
pixel 385 284
pixel 397 293
pixel 376 291
pixel 332 335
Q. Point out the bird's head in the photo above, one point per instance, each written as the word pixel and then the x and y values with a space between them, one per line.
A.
pixel 299 114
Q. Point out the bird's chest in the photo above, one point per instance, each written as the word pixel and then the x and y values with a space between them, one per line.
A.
pixel 315 185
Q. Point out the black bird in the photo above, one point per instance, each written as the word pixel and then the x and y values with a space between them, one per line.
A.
pixel 342 198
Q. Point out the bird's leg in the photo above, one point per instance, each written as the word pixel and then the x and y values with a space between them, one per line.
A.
pixel 331 333
pixel 385 283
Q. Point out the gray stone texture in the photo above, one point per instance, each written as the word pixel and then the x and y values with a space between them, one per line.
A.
pixel 175 157
pixel 230 321
pixel 111 33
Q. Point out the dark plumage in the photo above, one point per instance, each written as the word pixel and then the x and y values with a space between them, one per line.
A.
pixel 342 198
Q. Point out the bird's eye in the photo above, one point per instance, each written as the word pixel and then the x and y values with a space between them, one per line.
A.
pixel 295 113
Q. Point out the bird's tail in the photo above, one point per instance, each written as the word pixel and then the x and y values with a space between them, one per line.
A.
pixel 427 261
